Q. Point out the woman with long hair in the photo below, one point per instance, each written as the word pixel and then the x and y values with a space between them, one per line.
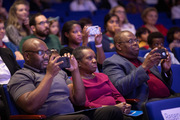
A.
pixel 18 21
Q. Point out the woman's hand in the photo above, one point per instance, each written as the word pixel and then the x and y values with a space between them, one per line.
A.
pixel 98 38
pixel 73 62
pixel 125 108
pixel 85 35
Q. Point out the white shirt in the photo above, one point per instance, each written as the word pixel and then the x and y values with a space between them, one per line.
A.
pixel 87 6
pixel 4 72
pixel 175 12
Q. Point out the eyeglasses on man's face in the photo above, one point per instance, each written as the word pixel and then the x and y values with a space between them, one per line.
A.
pixel 43 23
pixel 41 52
pixel 131 41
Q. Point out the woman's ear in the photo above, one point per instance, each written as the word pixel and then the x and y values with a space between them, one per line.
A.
pixel 66 34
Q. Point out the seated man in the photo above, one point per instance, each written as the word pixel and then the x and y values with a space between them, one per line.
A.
pixel 40 28
pixel 41 87
pixel 156 39
pixel 136 77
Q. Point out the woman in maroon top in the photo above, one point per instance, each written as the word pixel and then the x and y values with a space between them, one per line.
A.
pixel 99 90
pixel 150 17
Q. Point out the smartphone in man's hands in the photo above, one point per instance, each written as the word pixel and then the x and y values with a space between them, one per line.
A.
pixel 162 53
pixel 65 64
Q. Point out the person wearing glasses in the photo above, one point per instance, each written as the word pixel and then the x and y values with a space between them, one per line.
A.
pixel 134 76
pixel 40 27
pixel 41 87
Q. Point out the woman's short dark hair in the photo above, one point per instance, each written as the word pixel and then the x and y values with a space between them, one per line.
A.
pixel 170 33
pixel 154 35
pixel 65 29
pixel 107 18
pixel 77 52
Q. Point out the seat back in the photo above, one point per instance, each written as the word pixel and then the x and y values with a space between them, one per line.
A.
pixel 176 52
pixel 21 63
pixel 12 112
pixel 9 103
pixel 152 109
pixel 109 54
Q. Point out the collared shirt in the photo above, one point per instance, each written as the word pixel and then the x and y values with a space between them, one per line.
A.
pixel 28 79
pixel 4 72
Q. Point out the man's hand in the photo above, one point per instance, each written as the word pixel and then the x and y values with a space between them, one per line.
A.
pixel 53 67
pixel 166 63
pixel 152 59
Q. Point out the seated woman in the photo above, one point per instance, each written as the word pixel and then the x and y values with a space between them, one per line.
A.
pixel 111 25
pixel 150 17
pixel 107 94
pixel 173 37
pixel 123 20
pixel 73 36
pixel 9 44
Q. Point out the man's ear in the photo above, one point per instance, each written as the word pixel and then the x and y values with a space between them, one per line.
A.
pixel 26 56
pixel 118 47
pixel 33 28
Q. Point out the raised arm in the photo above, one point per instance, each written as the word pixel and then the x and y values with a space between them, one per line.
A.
pixel 77 90
pixel 100 52
pixel 33 100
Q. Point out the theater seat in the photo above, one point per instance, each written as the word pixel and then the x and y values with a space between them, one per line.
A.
pixel 152 109
pixel 12 112
pixel 21 63
pixel 176 52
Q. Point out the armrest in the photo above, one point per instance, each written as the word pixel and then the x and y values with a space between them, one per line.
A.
pixel 132 101
pixel 27 117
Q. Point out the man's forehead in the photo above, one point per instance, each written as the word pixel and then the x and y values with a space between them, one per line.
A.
pixel 40 18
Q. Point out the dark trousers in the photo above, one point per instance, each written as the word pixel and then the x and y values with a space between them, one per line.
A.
pixel 104 113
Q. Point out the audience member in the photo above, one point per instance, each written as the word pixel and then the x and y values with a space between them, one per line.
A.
pixel 111 25
pixel 82 5
pixel 18 21
pixel 3 11
pixel 9 45
pixel 156 40
pixel 150 17
pixel 87 22
pixel 8 66
pixel 134 76
pixel 136 6
pixel 41 87
pixel 175 10
pixel 142 34
pixel 173 37
pixel 40 27
pixel 54 27
pixel 73 36
pixel 109 95
pixel 123 20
